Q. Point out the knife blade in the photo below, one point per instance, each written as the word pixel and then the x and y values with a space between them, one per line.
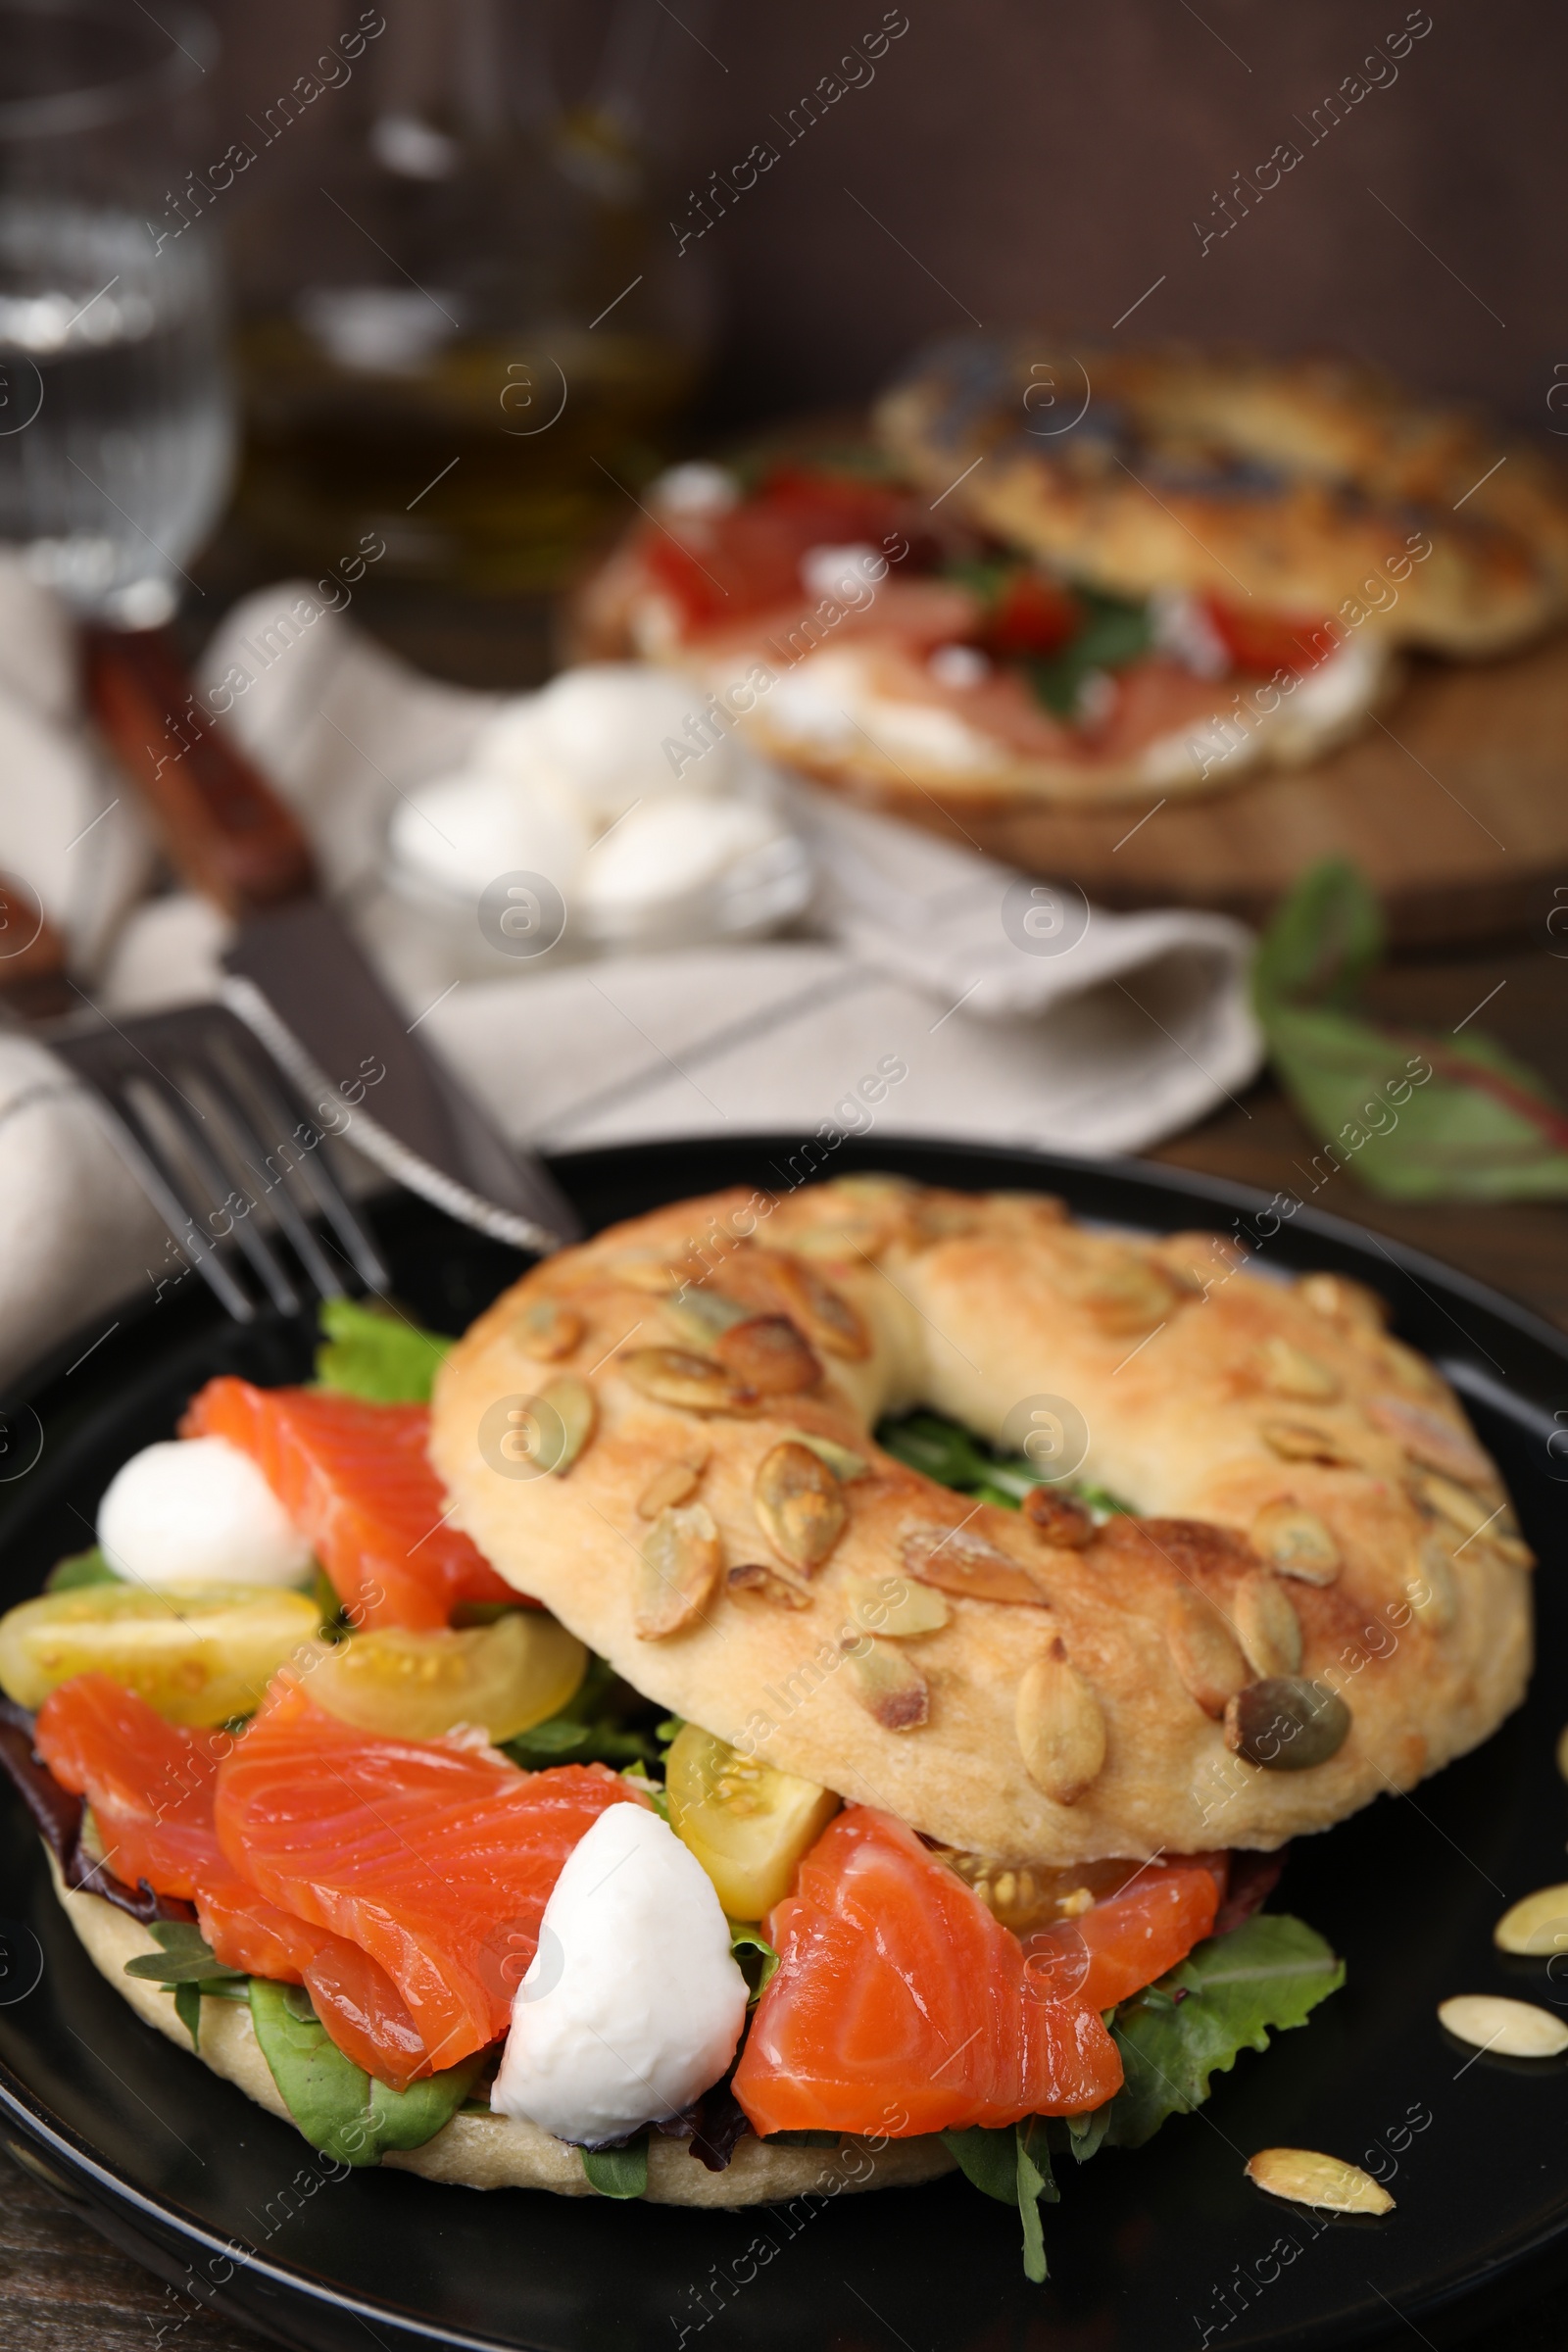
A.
pixel 297 975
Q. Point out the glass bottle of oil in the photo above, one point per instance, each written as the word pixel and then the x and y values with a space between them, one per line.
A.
pixel 463 331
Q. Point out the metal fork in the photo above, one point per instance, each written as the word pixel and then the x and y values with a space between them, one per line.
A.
pixel 188 1099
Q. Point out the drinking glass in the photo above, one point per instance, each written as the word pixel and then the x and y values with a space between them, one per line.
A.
pixel 115 420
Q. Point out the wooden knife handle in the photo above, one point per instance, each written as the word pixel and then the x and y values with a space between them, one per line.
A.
pixel 219 823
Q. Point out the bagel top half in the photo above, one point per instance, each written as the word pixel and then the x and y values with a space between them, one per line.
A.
pixel 1298 485
pixel 1324 1598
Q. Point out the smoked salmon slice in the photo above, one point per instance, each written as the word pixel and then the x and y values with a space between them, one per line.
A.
pixel 901 2005
pixel 355 1478
pixel 151 1787
pixel 436 1859
pixel 1146 1927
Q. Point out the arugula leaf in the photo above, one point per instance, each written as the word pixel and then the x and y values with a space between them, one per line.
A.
pixel 1115 633
pixel 1412 1117
pixel 604 1722
pixel 81 1568
pixel 186 1957
pixel 755 1957
pixel 951 1454
pixel 1226 1996
pixel 618 2172
pixel 188 2010
pixel 367 1351
pixel 1014 2166
pixel 340 2108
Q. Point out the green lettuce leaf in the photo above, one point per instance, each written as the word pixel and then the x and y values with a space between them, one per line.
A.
pixel 81 1568
pixel 1014 2166
pixel 1228 1995
pixel 368 1351
pixel 951 1454
pixel 1113 633
pixel 755 1957
pixel 1410 1116
pixel 618 2172
pixel 604 1722
pixel 341 2109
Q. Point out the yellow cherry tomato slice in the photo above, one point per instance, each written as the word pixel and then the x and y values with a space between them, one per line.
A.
pixel 747 1823
pixel 199 1654
pixel 403 1685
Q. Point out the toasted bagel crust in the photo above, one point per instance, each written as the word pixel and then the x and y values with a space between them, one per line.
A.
pixel 1213 1413
pixel 494 2151
pixel 1294 483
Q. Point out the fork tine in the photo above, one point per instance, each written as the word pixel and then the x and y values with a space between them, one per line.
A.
pixel 264 1261
pixel 142 1154
pixel 251 1153
pixel 313 1166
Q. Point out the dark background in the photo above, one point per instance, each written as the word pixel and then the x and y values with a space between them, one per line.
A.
pixel 1045 159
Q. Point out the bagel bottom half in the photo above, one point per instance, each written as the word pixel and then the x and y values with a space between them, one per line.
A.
pixel 496 2151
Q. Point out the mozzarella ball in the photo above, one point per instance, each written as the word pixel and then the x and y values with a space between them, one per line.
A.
pixel 197 1511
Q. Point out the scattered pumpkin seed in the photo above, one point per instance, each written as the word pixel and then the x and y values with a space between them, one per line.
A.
pixel 1538 1924
pixel 823 1313
pixel 1429 1587
pixel 1302 1441
pixel 676 1483
pixel 548 1329
pixel 894 1607
pixel 776 1586
pixel 1306 2178
pixel 1341 1300
pixel 1060 1729
pixel 700 1315
pixel 798 1504
pixel 1285 1723
pixel 1266 1626
pixel 846 1466
pixel 1126 1294
pixel 1204 1650
pixel 955 1560
pixel 767 1354
pixel 886 1683
pixel 1291 1372
pixel 1431 1440
pixel 1296 1542
pixel 1062 1519
pixel 572 1403
pixel 681 1561
pixel 1509 2029
pixel 673 1376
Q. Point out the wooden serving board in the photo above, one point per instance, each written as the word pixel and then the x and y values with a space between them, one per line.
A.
pixel 1455 807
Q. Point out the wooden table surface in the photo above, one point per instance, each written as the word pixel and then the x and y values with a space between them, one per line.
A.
pixel 64 2290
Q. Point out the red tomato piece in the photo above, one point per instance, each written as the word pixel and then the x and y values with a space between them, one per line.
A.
pixel 1265 641
pixel 901 2005
pixel 1031 615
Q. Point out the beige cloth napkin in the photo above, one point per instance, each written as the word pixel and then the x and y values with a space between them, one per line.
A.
pixel 932 991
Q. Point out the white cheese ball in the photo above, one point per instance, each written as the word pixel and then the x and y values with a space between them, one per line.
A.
pixel 633 2004
pixel 600 730
pixel 463 831
pixel 664 855
pixel 197 1511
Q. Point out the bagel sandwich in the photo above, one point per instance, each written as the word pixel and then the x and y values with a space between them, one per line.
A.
pixel 948 1613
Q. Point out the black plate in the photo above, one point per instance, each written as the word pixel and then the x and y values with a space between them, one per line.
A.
pixel 1167 2247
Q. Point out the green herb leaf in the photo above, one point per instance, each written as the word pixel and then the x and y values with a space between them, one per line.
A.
pixel 1014 2166
pixel 339 2108
pixel 618 2172
pixel 1115 633
pixel 605 1722
pixel 186 1957
pixel 954 1457
pixel 755 1957
pixel 1264 1976
pixel 989 2159
pixel 1411 1118
pixel 367 1351
pixel 81 1568
pixel 188 2010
